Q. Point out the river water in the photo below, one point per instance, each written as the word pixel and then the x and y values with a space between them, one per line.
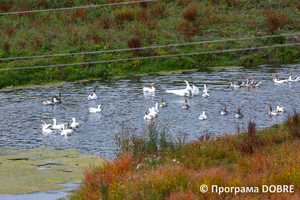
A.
pixel 122 99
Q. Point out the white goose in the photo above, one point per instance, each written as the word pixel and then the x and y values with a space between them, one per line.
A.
pixel 272 113
pixel 203 116
pixel 147 89
pixel 236 85
pixel 153 113
pixel 46 129
pixel 92 96
pixel 47 103
pixel 188 91
pixel 47 125
pixel 57 126
pixel 94 110
pixel 281 109
pixel 147 117
pixel 206 89
pixel 66 130
pixel 74 124
pixel 296 79
pixel 276 80
pixel 205 94
pixel 156 107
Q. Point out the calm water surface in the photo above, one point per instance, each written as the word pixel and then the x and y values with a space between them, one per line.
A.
pixel 122 100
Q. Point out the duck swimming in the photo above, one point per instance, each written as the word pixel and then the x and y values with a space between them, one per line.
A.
pixel 66 130
pixel 57 100
pixel 47 103
pixel 247 83
pixel 162 104
pixel 147 89
pixel 92 96
pixel 185 105
pixel 148 117
pixel 239 114
pixel 188 91
pixel 205 94
pixel 272 113
pixel 156 107
pixel 94 110
pixel 281 109
pixel 57 126
pixel 74 124
pixel 47 125
pixel 46 129
pixel 152 112
pixel 296 79
pixel 203 116
pixel 206 89
pixel 236 85
pixel 276 80
pixel 255 84
pixel 224 111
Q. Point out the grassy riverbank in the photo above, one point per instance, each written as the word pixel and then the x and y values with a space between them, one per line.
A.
pixel 154 165
pixel 139 25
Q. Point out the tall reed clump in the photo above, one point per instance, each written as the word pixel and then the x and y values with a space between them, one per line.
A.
pixel 151 141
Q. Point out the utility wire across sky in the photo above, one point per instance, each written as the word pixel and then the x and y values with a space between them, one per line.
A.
pixel 142 48
pixel 149 57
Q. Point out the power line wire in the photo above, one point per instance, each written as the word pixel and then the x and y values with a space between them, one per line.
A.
pixel 142 48
pixel 148 57
pixel 70 8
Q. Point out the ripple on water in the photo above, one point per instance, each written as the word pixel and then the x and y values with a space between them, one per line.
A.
pixel 122 100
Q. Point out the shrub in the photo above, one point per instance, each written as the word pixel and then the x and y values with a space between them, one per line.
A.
pixel 97 39
pixel 43 4
pixel 22 44
pixel 142 16
pixel 134 43
pixel 5 6
pixel 106 23
pixel 274 20
pixel 10 31
pixel 251 25
pixel 250 141
pixel 36 43
pixel 297 5
pixel 6 47
pixel 122 15
pixel 293 124
pixel 190 15
pixel 189 30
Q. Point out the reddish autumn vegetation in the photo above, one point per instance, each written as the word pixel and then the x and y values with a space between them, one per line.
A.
pixel 155 165
pixel 5 6
pixel 134 43
pixel 275 19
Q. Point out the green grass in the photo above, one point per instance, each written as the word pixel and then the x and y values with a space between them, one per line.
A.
pixel 155 23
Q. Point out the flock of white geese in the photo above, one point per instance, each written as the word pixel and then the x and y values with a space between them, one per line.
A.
pixel 189 91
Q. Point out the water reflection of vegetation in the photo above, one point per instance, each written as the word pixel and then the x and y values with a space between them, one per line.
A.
pixel 153 165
